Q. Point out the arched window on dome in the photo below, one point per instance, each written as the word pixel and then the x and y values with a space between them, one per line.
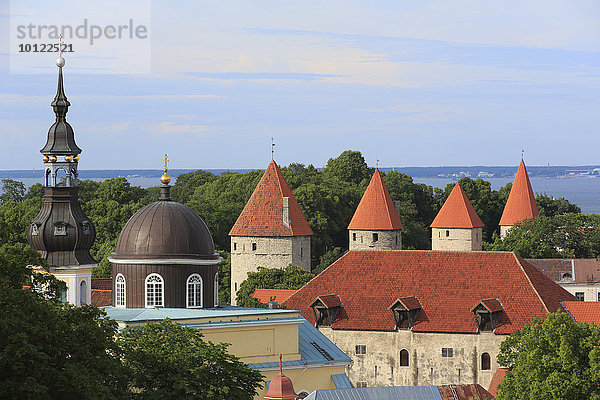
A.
pixel 216 291
pixel 120 291
pixel 194 291
pixel 83 292
pixel 155 290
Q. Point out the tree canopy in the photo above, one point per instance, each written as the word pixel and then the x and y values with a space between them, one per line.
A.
pixel 551 359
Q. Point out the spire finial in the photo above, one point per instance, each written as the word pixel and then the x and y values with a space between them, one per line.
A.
pixel 522 153
pixel 61 103
pixel 377 163
pixel 280 367
pixel 272 149
pixel 165 179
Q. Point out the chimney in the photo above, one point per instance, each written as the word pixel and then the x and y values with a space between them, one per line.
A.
pixel 286 212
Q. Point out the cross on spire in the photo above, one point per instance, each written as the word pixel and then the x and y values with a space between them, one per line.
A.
pixel 166 160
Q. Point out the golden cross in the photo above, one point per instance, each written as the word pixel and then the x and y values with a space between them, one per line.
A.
pixel 166 159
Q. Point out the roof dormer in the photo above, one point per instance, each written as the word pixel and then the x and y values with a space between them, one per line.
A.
pixel 405 311
pixel 326 309
pixel 487 312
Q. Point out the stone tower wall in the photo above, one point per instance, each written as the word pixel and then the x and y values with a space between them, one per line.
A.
pixel 504 230
pixel 386 240
pixel 249 253
pixel 456 239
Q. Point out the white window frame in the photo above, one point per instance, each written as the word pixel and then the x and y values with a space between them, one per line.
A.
pixel 216 290
pixel 83 297
pixel 124 287
pixel 187 290
pixel 162 291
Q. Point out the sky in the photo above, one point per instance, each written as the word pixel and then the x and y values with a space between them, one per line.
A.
pixel 408 83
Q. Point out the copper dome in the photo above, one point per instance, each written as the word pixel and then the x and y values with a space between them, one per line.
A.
pixel 165 230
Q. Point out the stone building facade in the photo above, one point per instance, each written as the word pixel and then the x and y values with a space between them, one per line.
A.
pixel 271 231
pixel 456 239
pixel 375 224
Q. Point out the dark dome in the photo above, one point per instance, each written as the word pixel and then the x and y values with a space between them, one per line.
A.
pixel 165 229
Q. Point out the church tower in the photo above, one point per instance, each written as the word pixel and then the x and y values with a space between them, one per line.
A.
pixel 61 232
pixel 271 231
pixel 376 224
pixel 521 202
pixel 457 227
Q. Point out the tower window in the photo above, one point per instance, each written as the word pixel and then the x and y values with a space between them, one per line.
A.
pixel 361 384
pixel 447 233
pixel 354 237
pixel 234 246
pixel 60 229
pixel 361 349
pixel 396 240
pixel 447 352
pixel 194 291
pixel 253 246
pixel 375 237
pixel 154 291
pixel 404 358
pixel 86 227
pixel 301 252
pixel 83 292
pixel 485 362
pixel 35 230
pixel 120 291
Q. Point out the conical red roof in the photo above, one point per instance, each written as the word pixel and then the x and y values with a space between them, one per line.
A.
pixel 281 387
pixel 457 212
pixel 263 214
pixel 521 201
pixel 376 209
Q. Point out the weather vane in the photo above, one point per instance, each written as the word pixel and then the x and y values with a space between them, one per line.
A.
pixel 522 153
pixel 377 163
pixel 272 149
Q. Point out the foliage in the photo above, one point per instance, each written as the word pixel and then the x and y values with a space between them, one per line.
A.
pixel 554 358
pixel 186 184
pixel 549 206
pixel 327 259
pixel 225 277
pixel 12 191
pixel 350 167
pixel 290 277
pixel 168 361
pixel 566 236
pixel 51 350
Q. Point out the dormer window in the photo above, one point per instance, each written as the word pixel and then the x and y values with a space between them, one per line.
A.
pixel 405 311
pixel 35 229
pixel 60 229
pixel 86 227
pixel 487 312
pixel 326 309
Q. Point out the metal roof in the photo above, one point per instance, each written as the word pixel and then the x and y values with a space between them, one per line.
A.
pixel 378 393
pixel 341 381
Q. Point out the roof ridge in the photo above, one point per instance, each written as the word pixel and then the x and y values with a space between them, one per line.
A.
pixel 517 258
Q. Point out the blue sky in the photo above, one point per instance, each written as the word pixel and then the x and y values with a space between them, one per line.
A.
pixel 411 83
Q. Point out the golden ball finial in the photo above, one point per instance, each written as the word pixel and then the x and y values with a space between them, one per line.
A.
pixel 53 158
pixel 165 179
pixel 76 158
pixel 68 158
pixel 46 159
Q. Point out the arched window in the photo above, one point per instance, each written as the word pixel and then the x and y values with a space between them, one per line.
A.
pixel 194 291
pixel 83 293
pixel 404 358
pixel 217 289
pixel 485 362
pixel 120 291
pixel 154 290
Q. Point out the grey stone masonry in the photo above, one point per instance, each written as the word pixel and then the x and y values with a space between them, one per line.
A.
pixel 249 253
pixel 456 239
pixel 375 240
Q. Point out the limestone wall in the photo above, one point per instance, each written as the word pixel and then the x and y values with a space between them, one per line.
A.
pixel 504 230
pixel 380 366
pixel 456 239
pixel 365 240
pixel 249 253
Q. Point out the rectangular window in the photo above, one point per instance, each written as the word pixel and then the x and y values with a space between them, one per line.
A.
pixel 580 296
pixel 354 237
pixel 447 352
pixel 234 246
pixel 375 237
pixel 598 296
pixel 361 349
pixel 447 233
pixel 253 246
pixel 361 384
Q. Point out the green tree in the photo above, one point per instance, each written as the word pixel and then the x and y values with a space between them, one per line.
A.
pixel 168 361
pixel 225 277
pixel 12 191
pixel 186 184
pixel 548 206
pixel 328 258
pixel 551 359
pixel 291 277
pixel 350 166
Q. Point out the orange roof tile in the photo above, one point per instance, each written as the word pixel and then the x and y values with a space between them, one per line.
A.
pixel 496 379
pixel 376 210
pixel 278 295
pixel 457 212
pixel 583 311
pixel 447 284
pixel 464 392
pixel 101 298
pixel 263 214
pixel 521 201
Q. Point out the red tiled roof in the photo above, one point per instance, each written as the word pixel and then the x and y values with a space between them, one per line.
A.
pixel 496 379
pixel 457 212
pixel 329 300
pixel 102 283
pixel 447 284
pixel 376 210
pixel 492 305
pixel 583 311
pixel 263 214
pixel 464 392
pixel 278 295
pixel 586 270
pixel 553 268
pixel 409 303
pixel 521 201
pixel 101 298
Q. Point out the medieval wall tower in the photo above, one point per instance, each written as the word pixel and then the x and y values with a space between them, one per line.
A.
pixel 521 202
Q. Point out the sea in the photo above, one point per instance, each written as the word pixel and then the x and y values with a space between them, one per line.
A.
pixel 583 191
